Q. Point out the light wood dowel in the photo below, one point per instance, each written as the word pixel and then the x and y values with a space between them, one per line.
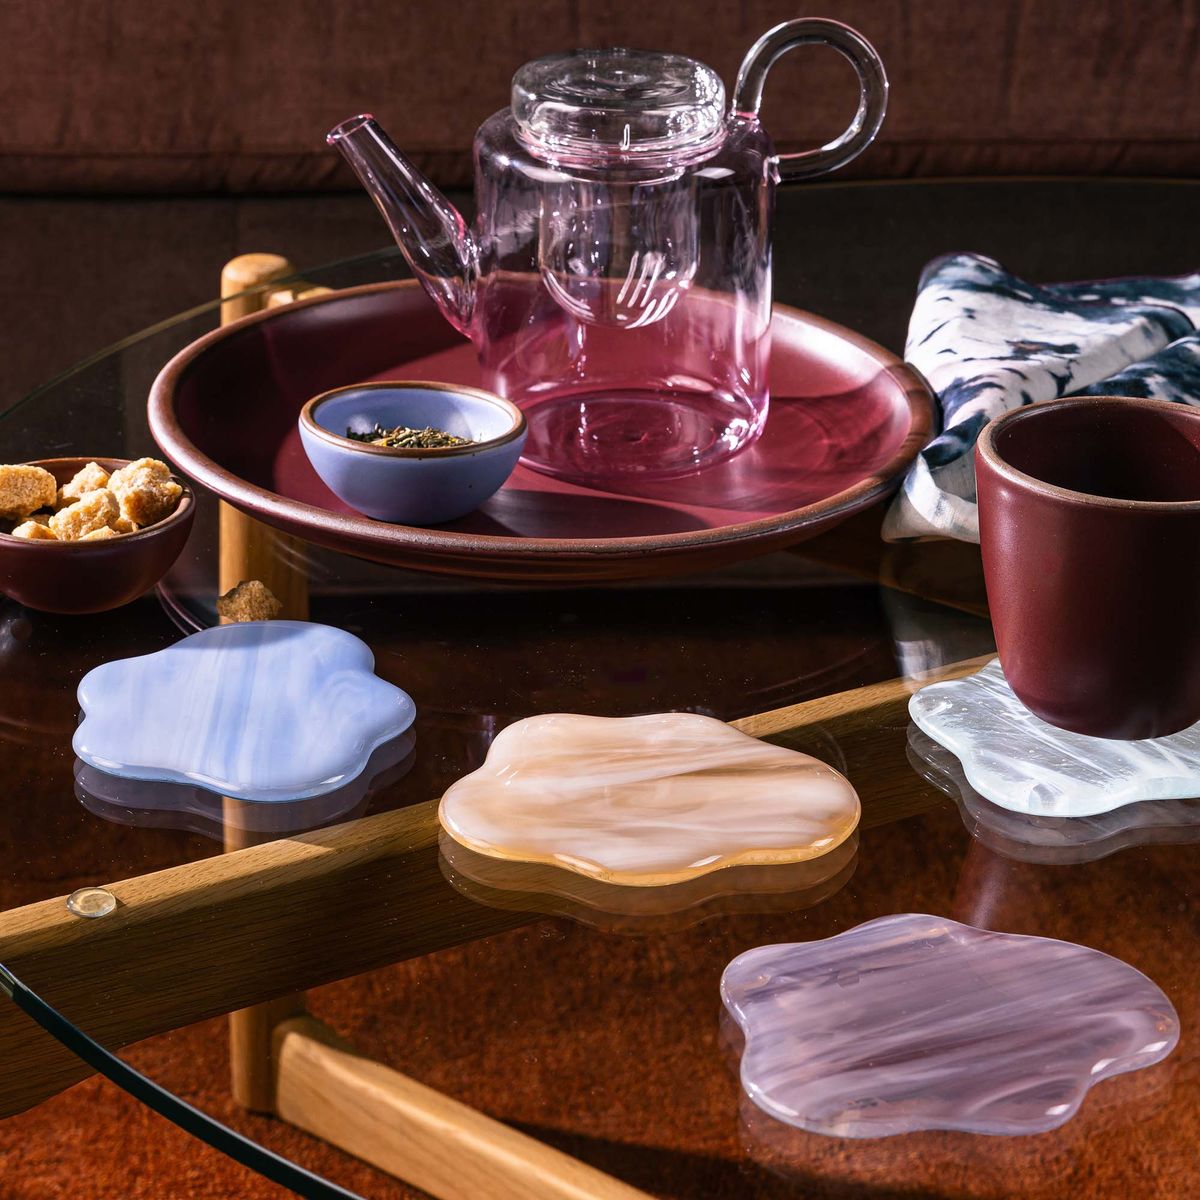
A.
pixel 416 1133
pixel 298 291
pixel 244 283
pixel 251 1030
pixel 252 1050
pixel 204 938
pixel 250 550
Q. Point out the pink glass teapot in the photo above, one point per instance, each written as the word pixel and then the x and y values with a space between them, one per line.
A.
pixel 616 282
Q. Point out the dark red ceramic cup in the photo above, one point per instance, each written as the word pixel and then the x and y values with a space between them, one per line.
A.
pixel 1089 521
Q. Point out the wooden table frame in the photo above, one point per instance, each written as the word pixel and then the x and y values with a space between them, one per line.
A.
pixel 253 927
pixel 249 927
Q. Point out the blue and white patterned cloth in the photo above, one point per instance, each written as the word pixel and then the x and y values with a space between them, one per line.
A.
pixel 987 341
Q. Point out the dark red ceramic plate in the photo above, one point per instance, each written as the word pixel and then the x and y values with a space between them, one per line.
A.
pixel 846 419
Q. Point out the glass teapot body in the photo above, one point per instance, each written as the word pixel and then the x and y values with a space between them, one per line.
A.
pixel 616 281
pixel 626 309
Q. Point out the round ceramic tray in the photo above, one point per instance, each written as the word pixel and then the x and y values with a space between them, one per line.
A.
pixel 846 419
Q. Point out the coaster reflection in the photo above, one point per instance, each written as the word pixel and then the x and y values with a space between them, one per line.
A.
pixel 157 805
pixel 617 908
pixel 1052 840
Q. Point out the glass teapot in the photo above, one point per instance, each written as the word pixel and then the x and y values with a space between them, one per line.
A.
pixel 616 282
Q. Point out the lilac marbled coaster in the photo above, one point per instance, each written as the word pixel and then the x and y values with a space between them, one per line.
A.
pixel 917 1022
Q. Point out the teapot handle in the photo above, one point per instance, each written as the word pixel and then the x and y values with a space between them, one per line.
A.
pixel 872 96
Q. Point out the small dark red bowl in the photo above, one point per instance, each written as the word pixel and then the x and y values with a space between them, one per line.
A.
pixel 91 577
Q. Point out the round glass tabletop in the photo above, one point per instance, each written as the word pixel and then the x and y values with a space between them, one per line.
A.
pixel 380 977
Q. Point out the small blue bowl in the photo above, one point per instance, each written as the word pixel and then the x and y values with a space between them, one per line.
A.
pixel 407 486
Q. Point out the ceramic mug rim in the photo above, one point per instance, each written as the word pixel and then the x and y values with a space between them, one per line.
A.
pixel 988 453
pixel 517 429
pixel 186 501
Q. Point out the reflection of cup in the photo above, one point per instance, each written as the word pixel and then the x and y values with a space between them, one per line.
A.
pixel 1089 521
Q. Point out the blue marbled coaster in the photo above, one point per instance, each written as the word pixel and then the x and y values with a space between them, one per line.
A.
pixel 266 710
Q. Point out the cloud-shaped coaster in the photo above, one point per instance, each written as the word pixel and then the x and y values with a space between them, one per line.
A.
pixel 1028 837
pixel 646 800
pixel 265 711
pixel 917 1022
pixel 1018 761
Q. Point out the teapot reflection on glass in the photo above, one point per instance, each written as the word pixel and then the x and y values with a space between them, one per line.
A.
pixel 616 282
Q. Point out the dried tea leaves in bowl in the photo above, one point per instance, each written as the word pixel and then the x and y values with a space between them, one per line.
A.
pixel 403 437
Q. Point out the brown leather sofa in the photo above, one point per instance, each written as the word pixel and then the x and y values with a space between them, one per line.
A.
pixel 145 142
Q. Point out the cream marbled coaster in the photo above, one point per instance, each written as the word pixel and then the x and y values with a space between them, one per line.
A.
pixel 646 800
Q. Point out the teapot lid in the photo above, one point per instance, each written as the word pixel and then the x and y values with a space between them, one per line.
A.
pixel 617 102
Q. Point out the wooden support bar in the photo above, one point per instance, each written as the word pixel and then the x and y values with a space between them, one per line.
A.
pixel 416 1133
pixel 239 929
pixel 855 711
pixel 870 726
pixel 205 938
pixel 298 291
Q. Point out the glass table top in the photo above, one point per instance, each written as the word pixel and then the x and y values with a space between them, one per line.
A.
pixel 596 1031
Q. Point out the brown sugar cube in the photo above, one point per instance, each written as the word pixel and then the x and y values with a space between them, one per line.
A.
pixel 24 490
pixel 35 531
pixel 251 600
pixel 123 525
pixel 99 535
pixel 94 511
pixel 145 491
pixel 91 478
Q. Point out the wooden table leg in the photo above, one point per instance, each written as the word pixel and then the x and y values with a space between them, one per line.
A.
pixel 252 1030
pixel 251 550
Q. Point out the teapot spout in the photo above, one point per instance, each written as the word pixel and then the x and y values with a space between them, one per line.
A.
pixel 427 227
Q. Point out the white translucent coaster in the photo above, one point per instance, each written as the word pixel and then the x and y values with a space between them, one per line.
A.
pixel 1018 761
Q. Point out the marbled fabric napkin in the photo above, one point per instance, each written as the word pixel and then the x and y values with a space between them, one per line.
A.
pixel 987 341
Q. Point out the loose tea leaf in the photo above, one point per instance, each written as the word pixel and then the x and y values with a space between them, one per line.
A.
pixel 413 439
